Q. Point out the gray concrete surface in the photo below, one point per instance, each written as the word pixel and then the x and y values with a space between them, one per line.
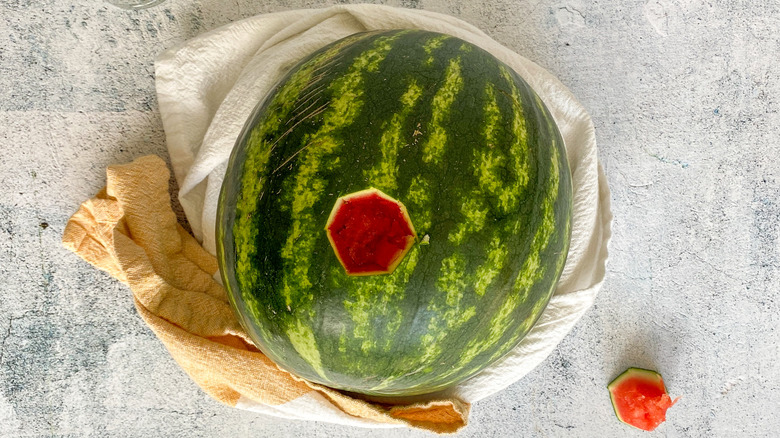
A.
pixel 684 97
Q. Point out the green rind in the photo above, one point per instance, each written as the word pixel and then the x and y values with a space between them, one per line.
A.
pixel 471 151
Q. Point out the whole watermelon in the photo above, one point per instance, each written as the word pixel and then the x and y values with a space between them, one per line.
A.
pixel 452 134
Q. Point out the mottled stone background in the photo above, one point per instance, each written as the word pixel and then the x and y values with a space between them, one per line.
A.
pixel 684 96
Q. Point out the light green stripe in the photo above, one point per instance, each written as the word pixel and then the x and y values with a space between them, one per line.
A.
pixel 492 116
pixel 489 162
pixel 488 271
pixel 518 150
pixel 384 175
pixel 452 280
pixel 431 45
pixel 243 231
pixel 475 212
pixel 433 149
pixel 509 195
pixel 417 200
pixel 302 339
pixel 532 271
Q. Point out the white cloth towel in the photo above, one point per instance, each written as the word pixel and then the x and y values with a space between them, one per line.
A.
pixel 208 86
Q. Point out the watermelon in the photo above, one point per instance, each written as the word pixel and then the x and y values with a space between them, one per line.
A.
pixel 439 126
pixel 639 398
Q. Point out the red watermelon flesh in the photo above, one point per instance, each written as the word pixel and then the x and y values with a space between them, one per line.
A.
pixel 370 232
pixel 640 399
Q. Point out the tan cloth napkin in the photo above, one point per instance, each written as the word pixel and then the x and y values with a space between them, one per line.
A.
pixel 130 231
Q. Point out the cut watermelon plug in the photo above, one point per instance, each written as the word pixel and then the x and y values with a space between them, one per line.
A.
pixel 640 399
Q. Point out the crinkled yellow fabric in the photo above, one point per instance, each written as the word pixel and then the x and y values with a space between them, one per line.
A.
pixel 130 231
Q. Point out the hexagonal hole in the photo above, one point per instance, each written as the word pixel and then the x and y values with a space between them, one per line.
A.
pixel 370 232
